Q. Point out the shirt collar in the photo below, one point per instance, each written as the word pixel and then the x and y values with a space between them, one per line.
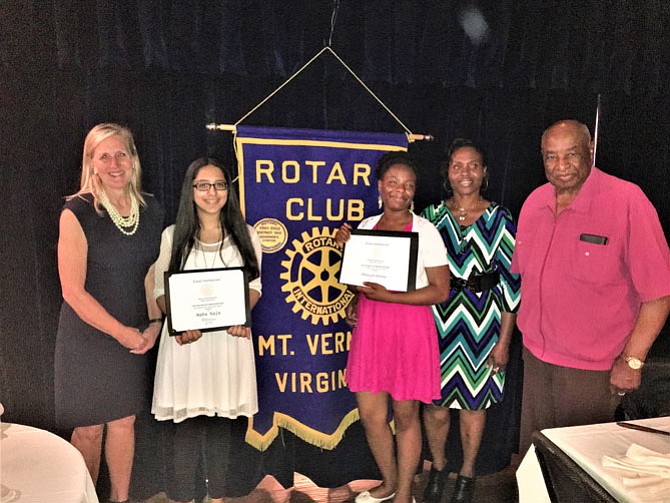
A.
pixel 586 195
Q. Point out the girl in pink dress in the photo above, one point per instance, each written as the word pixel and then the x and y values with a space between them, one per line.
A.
pixel 394 354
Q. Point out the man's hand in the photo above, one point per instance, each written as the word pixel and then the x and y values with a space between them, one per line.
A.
pixel 623 378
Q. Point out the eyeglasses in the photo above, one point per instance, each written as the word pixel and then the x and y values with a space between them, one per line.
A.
pixel 205 186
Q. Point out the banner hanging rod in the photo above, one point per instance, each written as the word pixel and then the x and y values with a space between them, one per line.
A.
pixel 213 126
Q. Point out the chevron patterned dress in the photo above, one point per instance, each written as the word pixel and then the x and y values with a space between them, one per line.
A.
pixel 468 323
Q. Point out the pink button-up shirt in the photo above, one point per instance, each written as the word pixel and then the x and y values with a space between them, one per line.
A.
pixel 585 272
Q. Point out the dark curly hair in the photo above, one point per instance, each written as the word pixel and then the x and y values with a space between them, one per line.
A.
pixel 395 157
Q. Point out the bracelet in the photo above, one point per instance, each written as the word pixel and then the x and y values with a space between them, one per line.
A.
pixel 155 320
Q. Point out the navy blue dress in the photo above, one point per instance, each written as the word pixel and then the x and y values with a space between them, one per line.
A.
pixel 97 380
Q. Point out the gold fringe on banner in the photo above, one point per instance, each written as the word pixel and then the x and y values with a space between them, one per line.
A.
pixel 310 435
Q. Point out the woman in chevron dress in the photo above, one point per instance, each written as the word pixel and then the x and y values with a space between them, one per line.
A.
pixel 475 324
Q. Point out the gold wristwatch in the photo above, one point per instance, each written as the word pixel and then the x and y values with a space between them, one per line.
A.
pixel 632 362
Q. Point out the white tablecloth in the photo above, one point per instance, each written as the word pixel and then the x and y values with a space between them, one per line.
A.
pixel 37 466
pixel 586 445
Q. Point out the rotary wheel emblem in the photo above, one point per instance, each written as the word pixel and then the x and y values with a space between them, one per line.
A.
pixel 309 277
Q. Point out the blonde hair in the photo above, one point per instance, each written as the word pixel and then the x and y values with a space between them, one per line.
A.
pixel 90 181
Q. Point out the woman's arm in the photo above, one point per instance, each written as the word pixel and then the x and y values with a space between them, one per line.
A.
pixel 343 234
pixel 158 270
pixel 509 294
pixel 160 302
pixel 186 337
pixel 255 286
pixel 72 255
pixel 155 315
pixel 500 353
pixel 158 284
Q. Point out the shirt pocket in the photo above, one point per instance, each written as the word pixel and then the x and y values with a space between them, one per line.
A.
pixel 596 263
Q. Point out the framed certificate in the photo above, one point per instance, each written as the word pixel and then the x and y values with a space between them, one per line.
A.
pixel 206 299
pixel 385 257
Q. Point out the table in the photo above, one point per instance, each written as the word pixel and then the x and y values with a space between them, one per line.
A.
pixel 37 466
pixel 586 445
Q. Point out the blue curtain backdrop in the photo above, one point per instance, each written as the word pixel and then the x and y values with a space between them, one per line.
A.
pixel 498 74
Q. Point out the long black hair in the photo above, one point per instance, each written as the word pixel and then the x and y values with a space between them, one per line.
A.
pixel 187 226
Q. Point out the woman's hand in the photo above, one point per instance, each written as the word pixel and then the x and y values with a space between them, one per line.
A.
pixel 240 331
pixel 500 352
pixel 151 335
pixel 188 337
pixel 343 234
pixel 351 312
pixel 132 339
pixel 498 358
pixel 375 291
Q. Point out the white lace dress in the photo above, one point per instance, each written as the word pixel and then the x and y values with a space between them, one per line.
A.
pixel 216 375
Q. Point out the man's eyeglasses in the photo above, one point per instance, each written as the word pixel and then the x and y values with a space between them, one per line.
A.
pixel 205 186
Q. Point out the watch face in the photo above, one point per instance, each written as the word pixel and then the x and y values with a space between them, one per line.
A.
pixel 634 363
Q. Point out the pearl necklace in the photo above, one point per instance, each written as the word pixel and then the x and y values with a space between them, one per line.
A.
pixel 131 222
pixel 462 211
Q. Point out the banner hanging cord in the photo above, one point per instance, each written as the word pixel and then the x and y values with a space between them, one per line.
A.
pixel 370 91
pixel 333 20
pixel 353 74
pixel 281 86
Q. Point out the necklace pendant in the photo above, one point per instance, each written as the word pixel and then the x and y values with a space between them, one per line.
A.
pixel 461 218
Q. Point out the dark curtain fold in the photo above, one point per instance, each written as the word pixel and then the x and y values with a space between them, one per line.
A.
pixel 498 71
pixel 594 45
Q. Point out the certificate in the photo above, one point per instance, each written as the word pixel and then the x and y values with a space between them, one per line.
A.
pixel 206 300
pixel 385 257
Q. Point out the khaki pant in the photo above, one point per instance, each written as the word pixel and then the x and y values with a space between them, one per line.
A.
pixel 555 396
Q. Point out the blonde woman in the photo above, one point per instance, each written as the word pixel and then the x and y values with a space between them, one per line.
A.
pixel 109 238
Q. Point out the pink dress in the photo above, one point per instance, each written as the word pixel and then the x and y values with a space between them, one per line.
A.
pixel 394 349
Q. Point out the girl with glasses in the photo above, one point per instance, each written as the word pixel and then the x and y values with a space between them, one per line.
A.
pixel 203 380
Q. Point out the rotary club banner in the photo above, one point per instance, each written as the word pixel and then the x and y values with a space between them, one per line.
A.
pixel 297 186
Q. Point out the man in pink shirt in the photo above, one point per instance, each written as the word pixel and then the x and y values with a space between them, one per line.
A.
pixel 595 286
